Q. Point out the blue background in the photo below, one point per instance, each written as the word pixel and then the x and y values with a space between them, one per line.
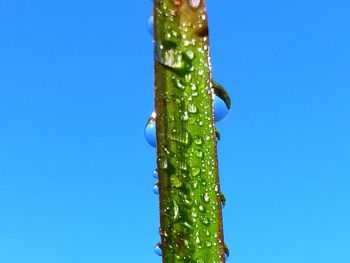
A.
pixel 76 87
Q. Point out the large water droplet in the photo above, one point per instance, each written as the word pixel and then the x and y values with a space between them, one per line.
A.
pixel 155 174
pixel 150 23
pixel 155 189
pixel 158 249
pixel 222 102
pixel 169 55
pixel 150 130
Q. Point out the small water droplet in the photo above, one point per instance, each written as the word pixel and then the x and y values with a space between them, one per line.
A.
pixel 194 3
pixel 150 23
pixel 185 116
pixel 177 183
pixel 162 163
pixel 158 249
pixel 196 171
pixel 201 208
pixel 222 102
pixel 150 130
pixel 205 221
pixel 198 140
pixel 190 54
pixel 192 108
pixel 155 189
pixel 206 197
pixel 155 174
pixel 208 243
pixel 176 210
pixel 198 153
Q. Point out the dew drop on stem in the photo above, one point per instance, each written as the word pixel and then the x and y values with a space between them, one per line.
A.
pixel 222 102
pixel 155 188
pixel 158 249
pixel 155 174
pixel 150 130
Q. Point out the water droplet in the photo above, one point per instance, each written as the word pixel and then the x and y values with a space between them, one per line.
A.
pixel 227 251
pixel 201 208
pixel 208 243
pixel 205 221
pixel 158 249
pixel 150 130
pixel 176 210
pixel 162 163
pixel 192 108
pixel 223 199
pixel 155 174
pixel 198 140
pixel 198 153
pixel 183 166
pixel 185 116
pixel 194 3
pixel 222 102
pixel 150 23
pixel 169 55
pixel 206 197
pixel 155 189
pixel 177 183
pixel 196 171
pixel 190 54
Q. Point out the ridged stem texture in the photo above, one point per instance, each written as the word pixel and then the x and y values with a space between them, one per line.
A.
pixel 189 191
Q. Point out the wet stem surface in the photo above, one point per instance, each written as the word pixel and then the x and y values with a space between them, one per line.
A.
pixel 183 131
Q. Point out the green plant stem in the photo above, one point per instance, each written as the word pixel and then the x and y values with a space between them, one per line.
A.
pixel 189 190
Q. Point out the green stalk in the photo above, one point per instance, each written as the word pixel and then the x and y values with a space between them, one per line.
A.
pixel 189 191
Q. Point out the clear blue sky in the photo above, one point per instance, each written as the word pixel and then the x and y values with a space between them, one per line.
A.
pixel 75 92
